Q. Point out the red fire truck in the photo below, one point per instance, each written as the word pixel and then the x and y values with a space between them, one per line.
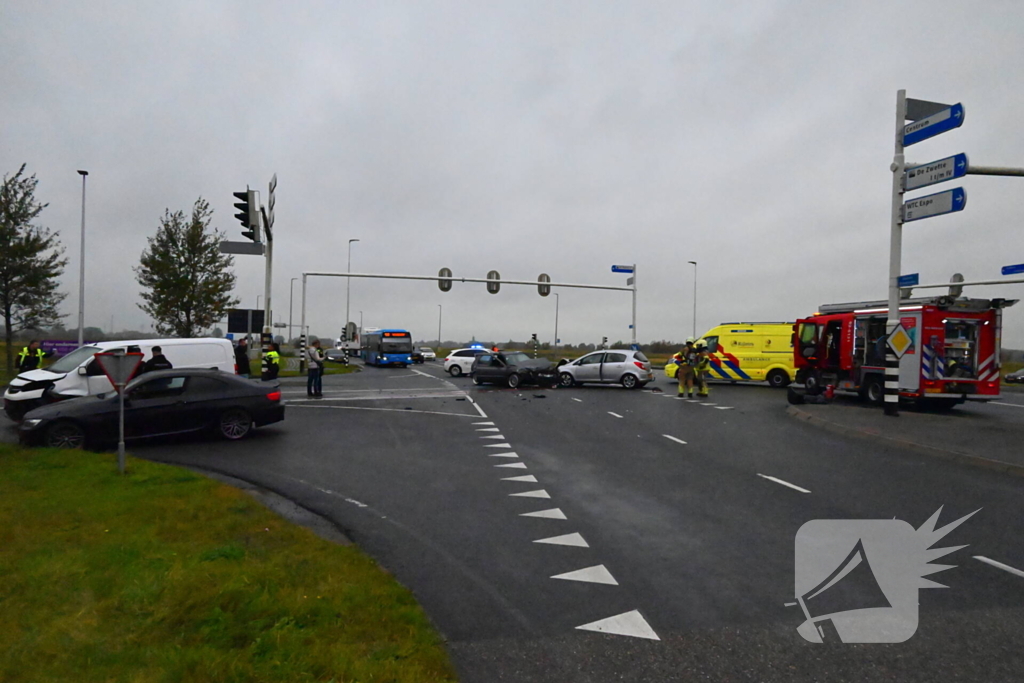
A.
pixel 953 357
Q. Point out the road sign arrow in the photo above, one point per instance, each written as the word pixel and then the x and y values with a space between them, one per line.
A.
pixel 935 124
pixel 934 172
pixel 935 204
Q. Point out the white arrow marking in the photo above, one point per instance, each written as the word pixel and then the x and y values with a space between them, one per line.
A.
pixel 1000 565
pixel 483 423
pixel 672 438
pixel 574 540
pixel 625 624
pixel 595 574
pixel 553 513
pixel 514 465
pixel 497 445
pixel 539 493
pixel 492 436
pixel 525 477
pixel 784 483
pixel 488 429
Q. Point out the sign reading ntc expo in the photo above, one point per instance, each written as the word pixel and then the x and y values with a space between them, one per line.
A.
pixel 622 269
pixel 933 125
pixel 936 172
pixel 1013 270
pixel 935 204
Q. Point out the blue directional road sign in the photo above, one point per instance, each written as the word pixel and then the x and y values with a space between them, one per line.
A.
pixel 935 204
pixel 933 125
pixel 1013 270
pixel 622 269
pixel 909 280
pixel 936 172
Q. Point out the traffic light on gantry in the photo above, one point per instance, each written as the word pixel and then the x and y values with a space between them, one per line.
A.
pixel 249 214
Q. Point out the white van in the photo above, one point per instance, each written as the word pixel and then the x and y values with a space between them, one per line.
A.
pixel 78 374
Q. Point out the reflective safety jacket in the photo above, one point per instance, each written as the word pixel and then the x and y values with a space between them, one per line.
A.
pixel 30 360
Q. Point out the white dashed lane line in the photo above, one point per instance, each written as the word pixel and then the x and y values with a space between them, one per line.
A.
pixel 539 493
pixel 595 574
pixel 1008 405
pixel 577 400
pixel 672 438
pixel 614 414
pixel 784 483
pixel 526 477
pixel 553 513
pixel 1000 565
pixel 574 540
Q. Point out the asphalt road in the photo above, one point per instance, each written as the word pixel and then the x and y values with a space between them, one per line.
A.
pixel 675 522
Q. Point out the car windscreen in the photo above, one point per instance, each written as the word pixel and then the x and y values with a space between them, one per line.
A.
pixel 641 357
pixel 516 357
pixel 73 359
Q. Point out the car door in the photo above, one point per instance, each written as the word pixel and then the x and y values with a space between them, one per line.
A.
pixel 493 371
pixel 588 368
pixel 204 399
pixel 613 366
pixel 155 406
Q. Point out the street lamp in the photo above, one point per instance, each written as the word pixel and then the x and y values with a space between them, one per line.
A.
pixel 556 320
pixel 348 280
pixel 81 271
pixel 291 299
pixel 694 297
pixel 439 309
pixel 258 301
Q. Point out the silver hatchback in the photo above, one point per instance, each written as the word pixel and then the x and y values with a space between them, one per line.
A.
pixel 629 368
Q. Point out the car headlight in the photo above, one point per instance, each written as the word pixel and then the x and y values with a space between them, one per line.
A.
pixel 30 424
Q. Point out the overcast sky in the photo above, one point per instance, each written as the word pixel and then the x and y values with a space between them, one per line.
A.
pixel 527 137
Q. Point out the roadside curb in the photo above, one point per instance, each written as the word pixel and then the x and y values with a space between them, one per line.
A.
pixel 282 505
pixel 954 456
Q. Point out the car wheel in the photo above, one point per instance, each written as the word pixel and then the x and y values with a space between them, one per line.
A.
pixel 566 380
pixel 455 370
pixel 874 391
pixel 778 379
pixel 477 381
pixel 513 380
pixel 65 434
pixel 629 381
pixel 235 424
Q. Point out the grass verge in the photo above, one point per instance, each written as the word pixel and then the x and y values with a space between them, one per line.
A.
pixel 164 575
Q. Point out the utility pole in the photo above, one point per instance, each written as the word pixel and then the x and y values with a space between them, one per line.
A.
pixel 81 271
pixel 348 281
pixel 556 320
pixel 439 309
pixel 291 301
pixel 694 298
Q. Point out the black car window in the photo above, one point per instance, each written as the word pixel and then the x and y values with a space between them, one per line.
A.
pixel 590 360
pixel 615 358
pixel 483 358
pixel 160 386
pixel 479 352
pixel 640 357
pixel 94 369
pixel 206 386
pixel 462 354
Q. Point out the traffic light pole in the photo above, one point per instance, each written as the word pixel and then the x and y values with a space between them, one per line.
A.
pixel 267 336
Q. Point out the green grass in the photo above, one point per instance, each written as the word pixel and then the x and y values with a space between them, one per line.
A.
pixel 163 575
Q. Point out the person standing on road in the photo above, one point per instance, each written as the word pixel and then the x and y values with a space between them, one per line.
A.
pixel 314 382
pixel 686 360
pixel 242 357
pixel 701 367
pixel 157 362
pixel 273 359
pixel 31 357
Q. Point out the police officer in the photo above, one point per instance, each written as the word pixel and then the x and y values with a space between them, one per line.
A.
pixel 31 357
pixel 157 362
pixel 273 359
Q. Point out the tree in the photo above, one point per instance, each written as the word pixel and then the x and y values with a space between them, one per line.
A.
pixel 186 281
pixel 217 332
pixel 31 261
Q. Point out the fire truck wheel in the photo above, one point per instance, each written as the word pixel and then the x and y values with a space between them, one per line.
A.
pixel 812 383
pixel 874 391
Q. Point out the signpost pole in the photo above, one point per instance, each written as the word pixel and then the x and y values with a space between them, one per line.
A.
pixel 634 307
pixel 120 430
pixel 892 363
pixel 302 330
pixel 267 331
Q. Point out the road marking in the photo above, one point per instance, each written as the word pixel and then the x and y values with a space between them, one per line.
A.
pixel 577 400
pixel 553 513
pixel 525 477
pixel 487 429
pixel 387 410
pixel 539 493
pixel 784 483
pixel 723 407
pixel 497 445
pixel 502 455
pixel 483 423
pixel 596 574
pixel 478 408
pixel 404 396
pixel 625 624
pixel 707 404
pixel 1009 405
pixel 361 391
pixel 425 374
pixel 404 376
pixel 514 465
pixel 614 414
pixel 492 436
pixel 574 540
pixel 1000 565
pixel 672 438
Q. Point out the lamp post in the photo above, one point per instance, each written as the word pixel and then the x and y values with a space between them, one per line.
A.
pixel 81 271
pixel 291 300
pixel 439 309
pixel 556 320
pixel 694 297
pixel 348 280
pixel 258 301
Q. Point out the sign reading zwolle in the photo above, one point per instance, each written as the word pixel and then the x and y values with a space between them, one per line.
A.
pixel 939 171
pixel 935 204
pixel 857 579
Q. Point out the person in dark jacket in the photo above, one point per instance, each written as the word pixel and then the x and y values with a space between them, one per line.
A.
pixel 242 357
pixel 31 357
pixel 157 362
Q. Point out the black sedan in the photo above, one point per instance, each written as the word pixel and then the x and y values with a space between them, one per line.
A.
pixel 512 369
pixel 158 404
pixel 1015 377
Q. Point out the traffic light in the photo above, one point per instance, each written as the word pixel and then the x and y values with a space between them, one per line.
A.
pixel 249 214
pixel 535 338
pixel 604 341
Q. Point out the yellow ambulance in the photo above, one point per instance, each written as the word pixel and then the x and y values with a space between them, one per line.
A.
pixel 750 352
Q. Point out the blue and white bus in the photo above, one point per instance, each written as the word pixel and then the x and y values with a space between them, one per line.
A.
pixel 386 347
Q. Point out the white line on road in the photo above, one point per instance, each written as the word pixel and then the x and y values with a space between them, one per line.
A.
pixel 784 483
pixel 404 376
pixel 596 574
pixel 525 477
pixel 478 408
pixel 574 540
pixel 487 429
pixel 539 493
pixel 614 414
pixel 553 513
pixel 514 465
pixel 426 374
pixel 723 407
pixel 498 445
pixel 576 399
pixel 672 438
pixel 708 404
pixel 1008 405
pixel 483 423
pixel 387 410
pixel 404 396
pixel 492 436
pixel 625 624
pixel 1000 565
